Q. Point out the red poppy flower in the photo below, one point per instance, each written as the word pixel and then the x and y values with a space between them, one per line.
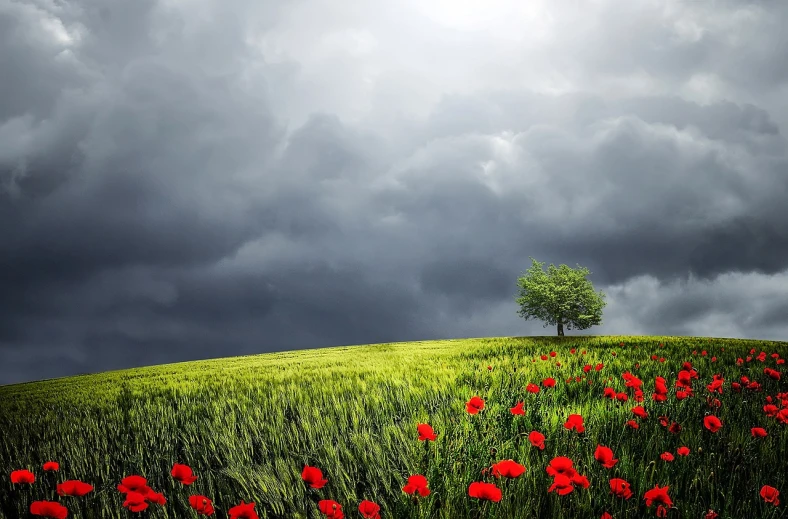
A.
pixel 633 424
pixel 604 455
pixel 134 484
pixel 313 477
pixel 51 466
pixel 508 468
pixel 575 421
pixel 716 385
pixel 640 412
pixel 632 381
pixel 417 483
pixel 620 488
pixel 711 514
pixel 606 515
pixel 564 482
pixel 425 432
pixel 561 484
pixel 518 409
pixel 201 504
pixel 331 509
pixel 156 497
pixel 599 366
pixel 770 409
pixel 183 473
pixel 712 423
pixel 579 480
pixel 770 495
pixel 549 382
pixel 622 397
pixel 489 368
pixel 50 509
pixel 609 392
pixel 675 428
pixel 586 368
pixel 486 491
pixel 369 510
pixel 683 451
pixel 553 354
pixel 23 476
pixel 536 439
pixel 572 351
pixel 135 501
pixel 666 456
pixel 658 495
pixel 474 405
pixel 543 357
pixel 532 388
pixel 759 432
pixel 561 465
pixel 73 487
pixel 243 511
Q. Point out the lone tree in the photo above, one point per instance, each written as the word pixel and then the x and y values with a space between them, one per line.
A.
pixel 561 296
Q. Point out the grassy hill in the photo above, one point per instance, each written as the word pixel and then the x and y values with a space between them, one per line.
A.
pixel 247 426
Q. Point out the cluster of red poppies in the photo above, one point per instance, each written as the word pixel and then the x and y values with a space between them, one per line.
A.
pixel 565 476
pixel 138 494
pixel 313 477
pixel 52 509
pixel 561 469
pixel 134 488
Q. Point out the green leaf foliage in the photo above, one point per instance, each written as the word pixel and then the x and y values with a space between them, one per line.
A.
pixel 560 296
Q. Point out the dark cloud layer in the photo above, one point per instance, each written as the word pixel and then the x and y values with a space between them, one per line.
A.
pixel 180 181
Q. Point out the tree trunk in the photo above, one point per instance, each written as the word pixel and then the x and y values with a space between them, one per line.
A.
pixel 560 328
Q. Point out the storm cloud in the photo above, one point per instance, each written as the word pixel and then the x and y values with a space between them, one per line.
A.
pixel 188 180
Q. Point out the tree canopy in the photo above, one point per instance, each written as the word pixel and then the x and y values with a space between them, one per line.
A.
pixel 561 296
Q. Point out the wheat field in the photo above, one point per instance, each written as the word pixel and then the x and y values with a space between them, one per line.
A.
pixel 247 426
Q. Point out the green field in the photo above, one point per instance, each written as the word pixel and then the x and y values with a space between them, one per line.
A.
pixel 248 425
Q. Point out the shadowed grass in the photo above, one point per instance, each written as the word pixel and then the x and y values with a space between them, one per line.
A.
pixel 248 425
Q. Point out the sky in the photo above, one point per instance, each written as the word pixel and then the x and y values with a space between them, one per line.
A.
pixel 193 179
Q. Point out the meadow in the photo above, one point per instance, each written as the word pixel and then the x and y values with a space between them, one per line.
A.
pixel 247 427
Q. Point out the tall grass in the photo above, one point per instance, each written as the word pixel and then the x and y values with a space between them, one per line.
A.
pixel 248 425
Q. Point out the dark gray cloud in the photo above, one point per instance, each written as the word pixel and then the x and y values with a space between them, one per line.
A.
pixel 180 181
